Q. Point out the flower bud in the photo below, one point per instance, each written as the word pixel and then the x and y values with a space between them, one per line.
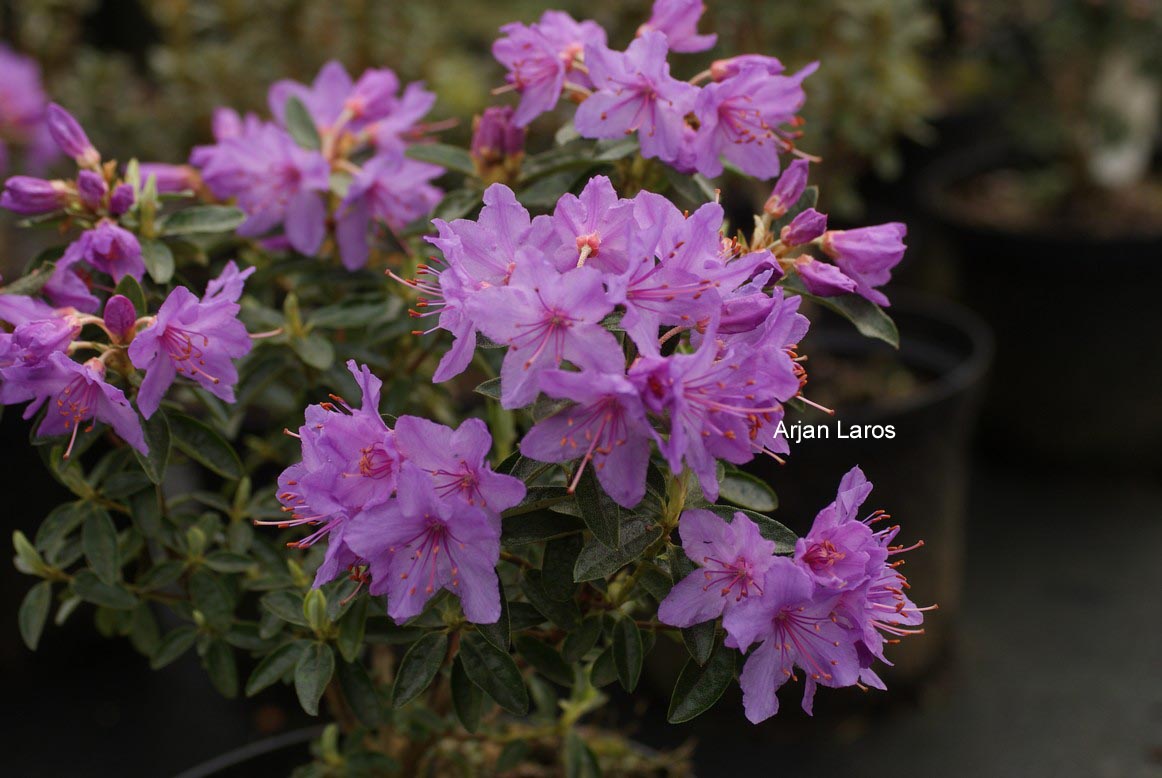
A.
pixel 169 178
pixel 497 145
pixel 804 228
pixel 120 318
pixel 70 138
pixel 122 199
pixel 821 278
pixel 30 196
pixel 788 189
pixel 722 69
pixel 92 189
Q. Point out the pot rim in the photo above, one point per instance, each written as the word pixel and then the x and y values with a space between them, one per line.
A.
pixel 253 750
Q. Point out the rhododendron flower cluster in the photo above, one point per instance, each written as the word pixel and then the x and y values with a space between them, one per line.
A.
pixel 22 109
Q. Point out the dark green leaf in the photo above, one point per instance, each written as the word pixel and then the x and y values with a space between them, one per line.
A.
pixel 467 698
pixel 172 646
pixel 698 688
pixel 565 615
pixel 536 526
pixel 699 640
pixel 498 633
pixel 203 219
pixel 580 762
pixel 301 125
pixel 203 445
pixel 869 319
pixel 695 189
pixel 628 652
pixel 511 756
pixel 129 287
pixel 557 566
pixel 92 589
pixel 222 668
pixel 604 670
pixel 212 598
pixel 312 674
pixel 145 508
pixel 227 562
pixel 99 539
pixel 158 260
pixel 418 668
pixel 545 192
pixel 359 691
pixel 601 514
pixel 275 666
pixel 157 437
pixel 447 157
pixel 580 641
pixel 490 388
pixel 161 576
pixel 746 490
pixel 34 613
pixel 351 629
pixel 544 659
pixel 495 673
pixel 599 561
pixel 315 350
pixel 144 633
pixel 655 581
pixel 288 606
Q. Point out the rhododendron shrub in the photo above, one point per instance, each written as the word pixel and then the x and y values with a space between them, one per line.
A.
pixel 254 370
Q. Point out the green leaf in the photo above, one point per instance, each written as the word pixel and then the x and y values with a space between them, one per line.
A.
pixel 92 589
pixel 599 561
pixel 222 668
pixel 286 605
pixel 696 189
pixel 212 598
pixel 869 319
pixel 698 688
pixel 129 287
pixel 495 672
pixel 145 510
pixel 312 674
pixel 203 219
pixel 34 613
pixel 467 698
pixel 604 671
pixel 546 191
pixel 172 646
pixel 158 260
pixel 699 640
pixel 227 562
pixel 601 514
pixel 447 157
pixel 746 490
pixel 511 756
pixel 275 666
pixel 144 633
pixel 301 125
pixel 314 350
pixel 581 641
pixel 544 659
pixel 498 633
pixel 489 388
pixel 359 691
pixel 565 615
pixel 580 762
pixel 205 446
pixel 315 610
pixel 352 625
pixel 99 540
pixel 628 652
pixel 655 581
pixel 537 526
pixel 418 668
pixel 557 566
pixel 28 558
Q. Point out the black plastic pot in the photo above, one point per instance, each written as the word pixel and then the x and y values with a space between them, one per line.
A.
pixel 1079 329
pixel 276 755
pixel 921 473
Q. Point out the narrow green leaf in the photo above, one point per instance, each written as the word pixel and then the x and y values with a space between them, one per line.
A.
pixel 158 260
pixel 92 589
pixel 286 605
pixel 581 641
pixel 156 431
pixel 698 688
pixel 418 668
pixel 205 446
pixel 544 658
pixel 537 526
pixel 565 615
pixel 203 219
pixel 628 652
pixel 99 540
pixel 212 598
pixel 312 674
pixel 359 691
pixel 34 613
pixel 467 698
pixel 447 157
pixel 557 566
pixel 275 666
pixel 228 562
pixel 301 125
pixel 747 491
pixel 599 561
pixel 601 514
pixel 352 625
pixel 173 645
pixel 495 672
pixel 222 668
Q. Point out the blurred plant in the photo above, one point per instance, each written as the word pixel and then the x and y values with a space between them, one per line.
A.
pixel 556 487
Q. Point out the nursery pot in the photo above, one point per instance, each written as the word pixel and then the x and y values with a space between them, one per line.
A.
pixel 1078 376
pixel 925 397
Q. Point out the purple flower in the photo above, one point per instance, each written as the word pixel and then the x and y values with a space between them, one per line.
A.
pixel 804 228
pixel 635 93
pixel 419 543
pixel 197 339
pixel 788 189
pixel 821 278
pixel 39 331
pixel 457 461
pixel 739 120
pixel 76 393
pixel 70 137
pixel 324 99
pixel 120 318
pixel 169 178
pixel 111 249
pixel 17 309
pixel 22 99
pixel 593 229
pixel 68 286
pixel 391 188
pixel 722 69
pixel 350 462
pixel 391 131
pixel 607 426
pixel 796 630
pixel 497 144
pixel 678 21
pixel 840 552
pixel 867 255
pixel 33 196
pixel 733 559
pixel 92 189
pixel 121 200
pixel 545 317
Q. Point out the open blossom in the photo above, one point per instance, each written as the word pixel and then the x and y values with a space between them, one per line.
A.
pixel 635 93
pixel 867 255
pixel 840 552
pixel 593 228
pixel 678 21
pixel 111 249
pixel 606 427
pixel 732 559
pixel 198 339
pixel 419 543
pixel 545 317
pixel 350 462
pixel 739 118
